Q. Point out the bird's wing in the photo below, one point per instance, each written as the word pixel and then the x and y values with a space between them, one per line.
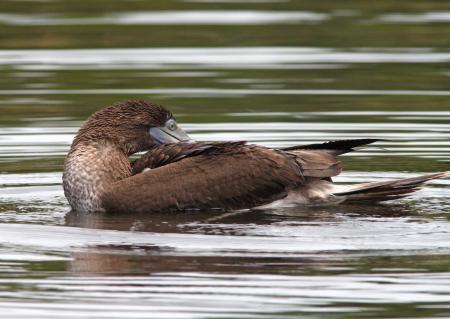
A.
pixel 227 178
pixel 169 153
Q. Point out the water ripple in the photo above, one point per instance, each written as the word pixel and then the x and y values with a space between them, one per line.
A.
pixel 426 17
pixel 210 57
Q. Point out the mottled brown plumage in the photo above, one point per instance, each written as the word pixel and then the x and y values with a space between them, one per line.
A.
pixel 98 175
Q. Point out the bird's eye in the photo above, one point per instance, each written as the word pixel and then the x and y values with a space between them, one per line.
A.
pixel 172 125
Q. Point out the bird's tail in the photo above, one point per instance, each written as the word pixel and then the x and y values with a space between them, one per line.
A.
pixel 387 190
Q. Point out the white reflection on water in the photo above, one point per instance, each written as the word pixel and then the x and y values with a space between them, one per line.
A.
pixel 209 92
pixel 426 17
pixel 166 17
pixel 32 101
pixel 211 57
pixel 235 1
pixel 179 74
pixel 422 114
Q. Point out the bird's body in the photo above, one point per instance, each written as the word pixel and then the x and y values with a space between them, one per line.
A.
pixel 187 175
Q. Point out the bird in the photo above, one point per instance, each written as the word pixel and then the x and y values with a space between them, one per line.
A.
pixel 177 173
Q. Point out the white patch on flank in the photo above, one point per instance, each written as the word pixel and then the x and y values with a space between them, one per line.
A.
pixel 314 192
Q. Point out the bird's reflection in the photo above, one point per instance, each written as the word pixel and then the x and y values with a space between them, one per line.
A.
pixel 187 221
pixel 155 222
pixel 129 259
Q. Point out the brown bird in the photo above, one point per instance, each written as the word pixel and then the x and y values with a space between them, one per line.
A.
pixel 179 174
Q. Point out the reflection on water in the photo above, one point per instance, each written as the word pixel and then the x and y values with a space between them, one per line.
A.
pixel 427 17
pixel 229 58
pixel 272 72
pixel 171 18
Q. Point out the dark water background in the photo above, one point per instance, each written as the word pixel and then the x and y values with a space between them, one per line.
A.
pixel 273 72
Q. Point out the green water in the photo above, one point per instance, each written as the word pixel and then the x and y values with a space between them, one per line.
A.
pixel 272 72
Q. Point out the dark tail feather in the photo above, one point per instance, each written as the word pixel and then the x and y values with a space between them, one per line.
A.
pixel 338 147
pixel 388 190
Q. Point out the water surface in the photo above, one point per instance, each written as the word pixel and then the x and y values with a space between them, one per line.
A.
pixel 272 72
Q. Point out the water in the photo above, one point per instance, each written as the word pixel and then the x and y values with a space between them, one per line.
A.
pixel 273 72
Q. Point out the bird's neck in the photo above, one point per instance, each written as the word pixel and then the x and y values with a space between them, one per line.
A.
pixel 89 170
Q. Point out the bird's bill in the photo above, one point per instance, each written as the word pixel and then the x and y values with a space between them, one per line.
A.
pixel 163 135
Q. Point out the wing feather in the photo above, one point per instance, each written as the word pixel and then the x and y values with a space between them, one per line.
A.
pixel 169 153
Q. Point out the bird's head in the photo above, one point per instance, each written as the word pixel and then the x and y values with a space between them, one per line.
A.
pixel 133 126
